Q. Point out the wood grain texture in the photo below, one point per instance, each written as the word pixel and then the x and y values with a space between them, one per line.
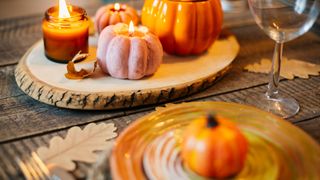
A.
pixel 98 101
pixel 7 83
pixel 256 45
pixel 305 91
pixel 17 35
pixel 106 99
pixel 20 114
pixel 9 151
pixel 312 127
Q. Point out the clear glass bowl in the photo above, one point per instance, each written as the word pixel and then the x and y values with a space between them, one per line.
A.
pixel 150 147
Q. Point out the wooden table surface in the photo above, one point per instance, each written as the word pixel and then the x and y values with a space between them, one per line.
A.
pixel 26 124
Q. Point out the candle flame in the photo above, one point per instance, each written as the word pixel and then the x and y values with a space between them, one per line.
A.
pixel 116 6
pixel 63 10
pixel 131 28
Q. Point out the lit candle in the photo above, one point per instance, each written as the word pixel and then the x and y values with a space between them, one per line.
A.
pixel 65 32
pixel 131 28
pixel 113 14
pixel 116 7
pixel 128 52
pixel 133 31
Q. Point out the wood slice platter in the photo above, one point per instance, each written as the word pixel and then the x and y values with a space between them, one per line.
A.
pixel 177 77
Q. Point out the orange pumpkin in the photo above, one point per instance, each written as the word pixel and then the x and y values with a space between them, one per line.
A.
pixel 184 27
pixel 214 147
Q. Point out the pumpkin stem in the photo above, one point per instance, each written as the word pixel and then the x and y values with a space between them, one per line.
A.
pixel 212 121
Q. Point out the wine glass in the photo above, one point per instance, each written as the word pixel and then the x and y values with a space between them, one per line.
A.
pixel 282 21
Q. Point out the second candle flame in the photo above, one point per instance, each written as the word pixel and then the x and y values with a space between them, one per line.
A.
pixel 116 6
pixel 131 28
pixel 63 10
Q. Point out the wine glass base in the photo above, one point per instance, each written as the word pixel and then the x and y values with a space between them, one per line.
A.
pixel 284 107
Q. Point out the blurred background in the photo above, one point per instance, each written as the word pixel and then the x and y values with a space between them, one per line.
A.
pixel 18 8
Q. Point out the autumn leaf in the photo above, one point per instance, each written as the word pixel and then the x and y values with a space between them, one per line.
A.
pixel 289 68
pixel 72 73
pixel 79 145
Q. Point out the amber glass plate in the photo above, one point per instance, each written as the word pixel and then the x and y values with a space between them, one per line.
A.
pixel 150 147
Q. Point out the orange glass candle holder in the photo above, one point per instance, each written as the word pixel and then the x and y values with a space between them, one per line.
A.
pixel 65 37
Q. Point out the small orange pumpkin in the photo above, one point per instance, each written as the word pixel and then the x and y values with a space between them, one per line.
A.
pixel 214 147
pixel 115 13
pixel 184 27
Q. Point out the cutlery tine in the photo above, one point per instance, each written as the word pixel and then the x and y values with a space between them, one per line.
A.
pixel 36 167
pixel 27 169
pixel 43 168
pixel 33 167
pixel 24 168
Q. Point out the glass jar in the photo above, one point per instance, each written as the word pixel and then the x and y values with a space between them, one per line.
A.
pixel 65 37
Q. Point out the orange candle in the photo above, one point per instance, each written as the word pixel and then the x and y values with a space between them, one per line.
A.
pixel 65 32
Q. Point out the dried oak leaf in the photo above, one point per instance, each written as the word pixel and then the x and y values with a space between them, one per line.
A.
pixel 78 145
pixel 72 73
pixel 289 68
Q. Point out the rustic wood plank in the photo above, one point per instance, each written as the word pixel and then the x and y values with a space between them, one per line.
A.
pixel 17 35
pixel 20 114
pixel 10 151
pixel 8 83
pixel 311 127
pixel 305 91
pixel 26 145
pixel 232 19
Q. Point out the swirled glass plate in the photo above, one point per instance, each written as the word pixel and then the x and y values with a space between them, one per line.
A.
pixel 150 147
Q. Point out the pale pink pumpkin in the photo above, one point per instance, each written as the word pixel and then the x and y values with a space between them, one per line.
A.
pixel 107 15
pixel 128 57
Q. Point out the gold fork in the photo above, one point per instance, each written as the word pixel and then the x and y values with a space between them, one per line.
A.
pixel 33 167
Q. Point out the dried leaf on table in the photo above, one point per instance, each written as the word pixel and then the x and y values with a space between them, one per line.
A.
pixel 289 68
pixel 79 145
pixel 72 73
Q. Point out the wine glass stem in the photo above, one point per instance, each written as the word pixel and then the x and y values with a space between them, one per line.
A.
pixel 275 71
